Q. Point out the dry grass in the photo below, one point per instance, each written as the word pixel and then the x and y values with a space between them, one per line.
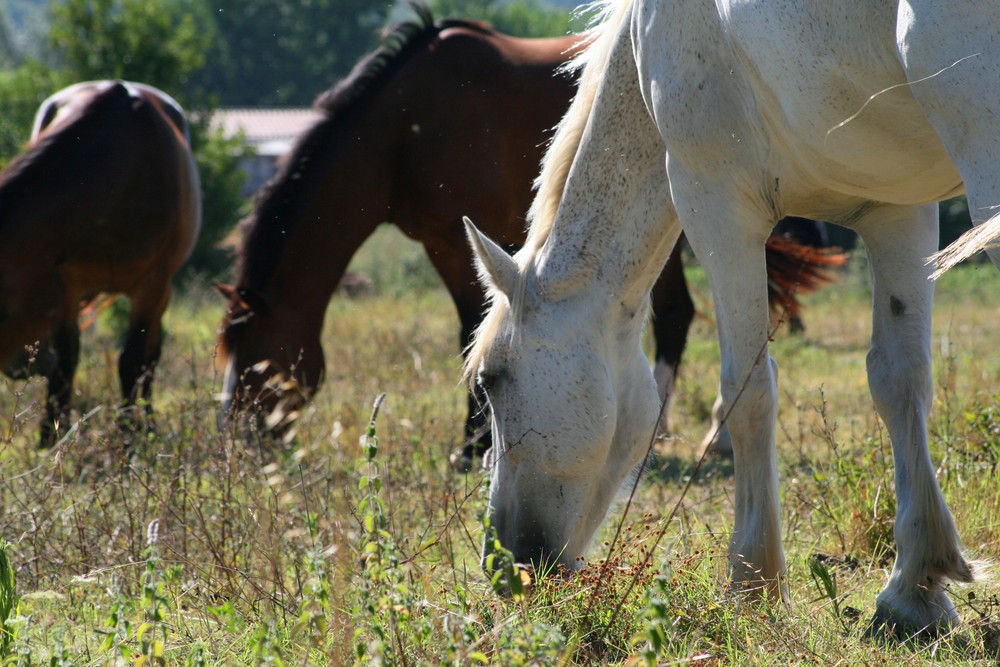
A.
pixel 311 553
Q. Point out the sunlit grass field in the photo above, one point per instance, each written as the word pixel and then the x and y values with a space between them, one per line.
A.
pixel 356 544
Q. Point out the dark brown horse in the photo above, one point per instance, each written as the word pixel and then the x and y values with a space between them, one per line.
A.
pixel 443 120
pixel 105 199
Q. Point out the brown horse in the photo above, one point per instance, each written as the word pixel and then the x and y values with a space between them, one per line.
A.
pixel 105 199
pixel 443 120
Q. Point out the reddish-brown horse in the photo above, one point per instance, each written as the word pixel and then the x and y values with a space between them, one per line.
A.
pixel 443 120
pixel 105 199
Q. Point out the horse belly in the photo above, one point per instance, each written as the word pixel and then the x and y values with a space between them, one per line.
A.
pixel 828 86
pixel 883 151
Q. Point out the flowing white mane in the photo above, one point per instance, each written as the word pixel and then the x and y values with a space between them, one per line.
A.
pixel 551 182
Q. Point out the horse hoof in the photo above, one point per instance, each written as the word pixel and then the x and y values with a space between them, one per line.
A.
pixel 464 460
pixel 461 461
pixel 889 624
pixel 720 447
pixel 50 433
pixel 47 440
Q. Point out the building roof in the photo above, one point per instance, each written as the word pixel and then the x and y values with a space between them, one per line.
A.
pixel 270 131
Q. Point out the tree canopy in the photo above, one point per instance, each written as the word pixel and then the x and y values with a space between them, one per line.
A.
pixel 282 52
pixel 237 52
pixel 161 43
pixel 524 18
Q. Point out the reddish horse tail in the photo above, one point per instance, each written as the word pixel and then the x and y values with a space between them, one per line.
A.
pixel 794 269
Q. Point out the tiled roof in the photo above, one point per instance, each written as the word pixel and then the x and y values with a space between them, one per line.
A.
pixel 270 131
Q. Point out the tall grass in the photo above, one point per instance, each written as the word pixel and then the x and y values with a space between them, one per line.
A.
pixel 357 545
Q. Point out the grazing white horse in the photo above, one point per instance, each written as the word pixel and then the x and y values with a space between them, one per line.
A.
pixel 720 117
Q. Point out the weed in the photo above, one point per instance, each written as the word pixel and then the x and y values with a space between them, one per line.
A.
pixel 152 633
pixel 387 611
pixel 8 602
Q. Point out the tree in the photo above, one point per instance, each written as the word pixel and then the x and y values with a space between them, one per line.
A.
pixel 8 54
pixel 223 203
pixel 22 89
pixel 524 18
pixel 160 43
pixel 285 52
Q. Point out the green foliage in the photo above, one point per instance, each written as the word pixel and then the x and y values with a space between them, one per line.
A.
pixel 8 54
pixel 384 600
pixel 8 600
pixel 285 52
pixel 222 201
pixel 152 634
pixel 22 89
pixel 153 42
pixel 984 422
pixel 315 611
pixel 523 18
pixel 117 630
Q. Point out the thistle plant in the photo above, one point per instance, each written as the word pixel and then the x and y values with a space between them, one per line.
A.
pixel 8 601
pixel 152 633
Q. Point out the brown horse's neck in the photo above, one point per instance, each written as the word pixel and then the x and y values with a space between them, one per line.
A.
pixel 326 201
pixel 390 148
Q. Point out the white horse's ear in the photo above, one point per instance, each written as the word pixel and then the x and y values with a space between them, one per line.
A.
pixel 496 268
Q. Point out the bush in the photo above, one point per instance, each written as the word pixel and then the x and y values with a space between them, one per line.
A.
pixel 222 201
pixel 21 91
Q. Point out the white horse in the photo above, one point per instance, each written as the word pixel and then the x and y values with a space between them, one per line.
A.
pixel 720 117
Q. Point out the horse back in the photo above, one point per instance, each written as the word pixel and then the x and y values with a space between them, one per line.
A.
pixel 108 185
pixel 484 145
pixel 68 101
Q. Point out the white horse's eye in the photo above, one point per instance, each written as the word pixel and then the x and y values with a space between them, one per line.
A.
pixel 489 380
pixel 485 381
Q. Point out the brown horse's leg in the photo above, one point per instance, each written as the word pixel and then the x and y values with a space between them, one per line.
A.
pixel 673 312
pixel 135 371
pixel 140 355
pixel 455 266
pixel 66 346
pixel 477 437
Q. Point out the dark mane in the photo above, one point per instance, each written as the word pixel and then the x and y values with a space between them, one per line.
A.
pixel 266 229
pixel 399 41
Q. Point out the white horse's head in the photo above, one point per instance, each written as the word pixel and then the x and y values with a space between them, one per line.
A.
pixel 573 407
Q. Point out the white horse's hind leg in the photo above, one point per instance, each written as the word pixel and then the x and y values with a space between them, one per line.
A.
pixel 928 552
pixel 951 55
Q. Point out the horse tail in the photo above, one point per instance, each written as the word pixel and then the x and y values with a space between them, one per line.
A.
pixel 558 159
pixel 794 268
pixel 980 237
pixel 92 309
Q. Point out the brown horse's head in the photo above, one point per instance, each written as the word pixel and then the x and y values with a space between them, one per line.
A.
pixel 30 308
pixel 272 363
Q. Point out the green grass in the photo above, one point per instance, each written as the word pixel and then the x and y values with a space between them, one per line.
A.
pixel 357 545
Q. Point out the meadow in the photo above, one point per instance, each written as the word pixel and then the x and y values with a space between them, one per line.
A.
pixel 354 543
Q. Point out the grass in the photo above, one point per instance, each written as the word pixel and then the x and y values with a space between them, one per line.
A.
pixel 357 545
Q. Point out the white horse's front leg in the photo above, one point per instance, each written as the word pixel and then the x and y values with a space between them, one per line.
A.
pixel 737 276
pixel 928 552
